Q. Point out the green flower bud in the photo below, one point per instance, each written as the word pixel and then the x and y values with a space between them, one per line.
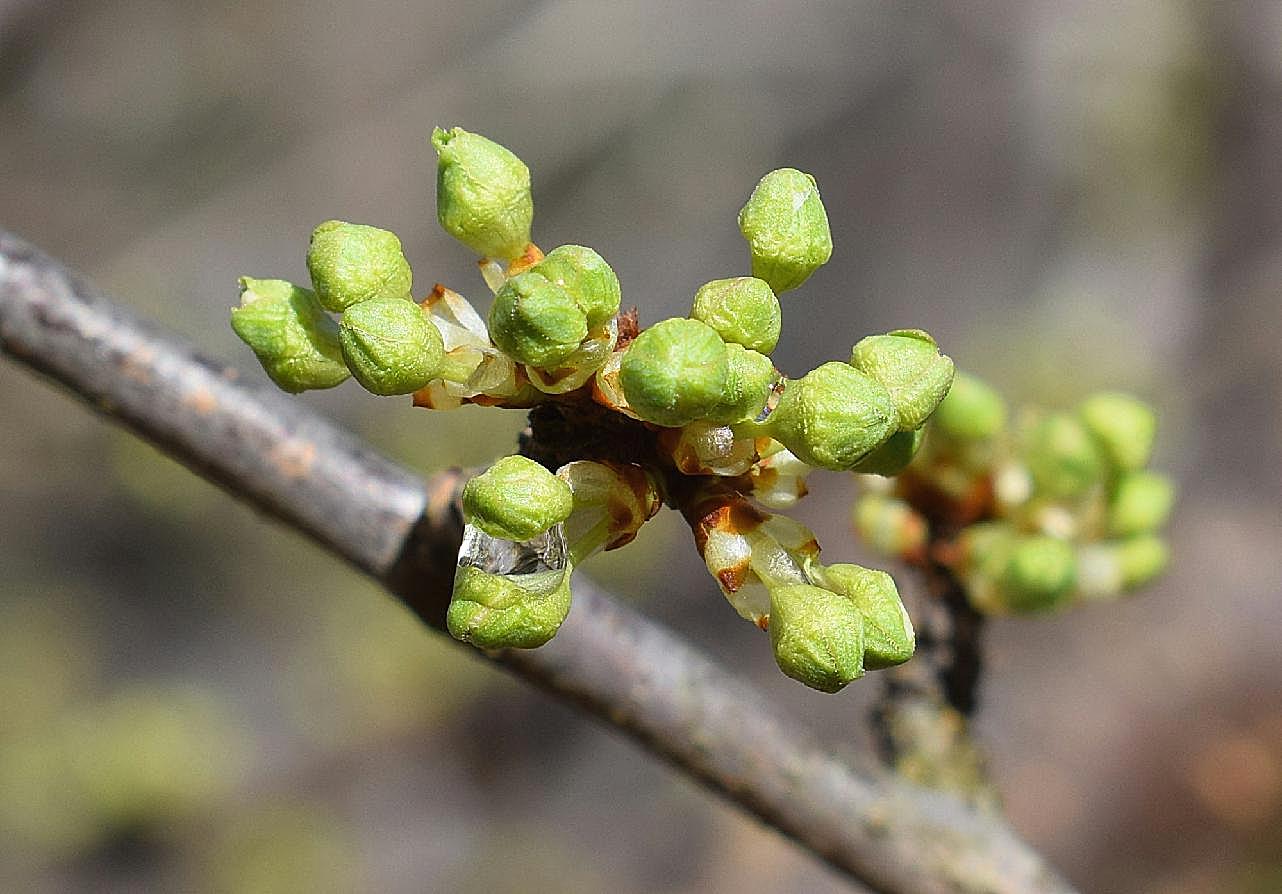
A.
pixel 750 378
pixel 787 229
pixel 492 611
pixel 817 636
pixel 833 416
pixel 675 372
pixel 743 310
pixel 587 278
pixel 482 194
pixel 909 364
pixel 1124 427
pixel 1141 559
pixel 536 321
pixel 351 263
pixel 890 526
pixel 516 499
pixel 893 456
pixel 390 345
pixel 289 333
pixel 1040 573
pixel 1062 458
pixel 971 411
pixel 888 631
pixel 1141 503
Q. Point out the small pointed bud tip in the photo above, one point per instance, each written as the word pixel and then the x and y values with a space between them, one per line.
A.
pixel 535 321
pixel 516 499
pixel 350 263
pixel 390 345
pixel 482 194
pixel 675 372
pixel 786 227
pixel 743 311
pixel 290 334
pixel 817 636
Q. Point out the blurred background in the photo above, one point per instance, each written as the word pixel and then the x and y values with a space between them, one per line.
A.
pixel 1068 195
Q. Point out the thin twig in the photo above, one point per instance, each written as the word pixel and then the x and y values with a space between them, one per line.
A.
pixel 630 672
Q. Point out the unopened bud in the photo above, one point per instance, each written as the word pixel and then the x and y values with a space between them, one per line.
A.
pixel 493 611
pixel 390 345
pixel 675 372
pixel 1062 457
pixel 587 278
pixel 290 334
pixel 888 631
pixel 786 228
pixel 1141 503
pixel 535 321
pixel 833 416
pixel 516 499
pixel 482 194
pixel 908 363
pixel 817 636
pixel 1124 426
pixel 971 411
pixel 350 263
pixel 742 310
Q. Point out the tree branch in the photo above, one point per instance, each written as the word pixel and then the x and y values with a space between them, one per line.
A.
pixel 275 454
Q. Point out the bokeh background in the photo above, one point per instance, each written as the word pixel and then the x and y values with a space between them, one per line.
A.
pixel 1070 195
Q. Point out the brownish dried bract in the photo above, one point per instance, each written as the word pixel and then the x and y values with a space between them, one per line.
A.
pixel 531 256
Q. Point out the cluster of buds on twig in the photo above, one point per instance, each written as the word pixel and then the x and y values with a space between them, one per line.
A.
pixel 1033 514
pixel 690 411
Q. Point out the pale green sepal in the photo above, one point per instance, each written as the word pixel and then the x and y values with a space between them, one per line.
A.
pixel 492 611
pixel 350 263
pixel 889 638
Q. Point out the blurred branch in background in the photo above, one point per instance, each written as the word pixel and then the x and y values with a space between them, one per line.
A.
pixel 404 532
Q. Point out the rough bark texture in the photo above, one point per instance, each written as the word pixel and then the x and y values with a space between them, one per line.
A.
pixel 633 674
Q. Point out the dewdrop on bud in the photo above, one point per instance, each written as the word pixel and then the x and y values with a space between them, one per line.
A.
pixel 674 372
pixel 817 636
pixel 1123 426
pixel 390 345
pixel 888 631
pixel 743 311
pixel 587 278
pixel 482 194
pixel 516 499
pixel 290 334
pixel 535 321
pixel 350 263
pixel 786 228
pixel 971 411
pixel 1141 502
pixel 908 363
pixel 832 417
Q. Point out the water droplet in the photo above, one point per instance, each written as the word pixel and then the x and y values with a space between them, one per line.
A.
pixel 538 564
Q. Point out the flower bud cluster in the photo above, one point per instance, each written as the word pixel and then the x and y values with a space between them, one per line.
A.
pixel 1033 514
pixel 697 413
